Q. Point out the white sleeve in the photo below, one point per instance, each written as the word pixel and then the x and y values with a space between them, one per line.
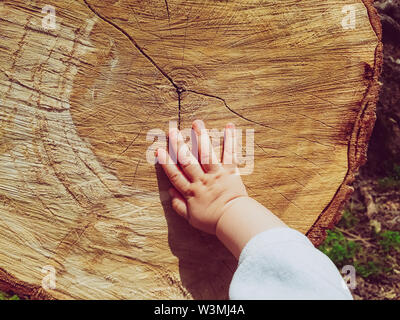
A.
pixel 282 263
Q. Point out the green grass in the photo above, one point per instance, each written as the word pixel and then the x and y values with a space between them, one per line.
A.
pixel 369 269
pixel 4 296
pixel 349 220
pixel 339 249
pixel 372 256
pixel 343 251
pixel 389 240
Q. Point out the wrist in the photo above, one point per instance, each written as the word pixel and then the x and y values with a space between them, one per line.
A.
pixel 241 220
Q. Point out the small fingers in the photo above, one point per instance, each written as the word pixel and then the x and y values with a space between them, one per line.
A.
pixel 186 160
pixel 207 156
pixel 229 154
pixel 178 203
pixel 172 171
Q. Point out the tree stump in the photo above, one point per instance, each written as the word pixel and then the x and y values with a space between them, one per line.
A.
pixel 81 105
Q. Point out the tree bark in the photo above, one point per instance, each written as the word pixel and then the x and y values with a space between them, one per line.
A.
pixel 79 109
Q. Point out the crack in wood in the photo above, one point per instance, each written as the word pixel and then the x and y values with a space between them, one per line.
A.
pixel 256 122
pixel 233 111
pixel 178 89
pixel 166 5
pixel 133 42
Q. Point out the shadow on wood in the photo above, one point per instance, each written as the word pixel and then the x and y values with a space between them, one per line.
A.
pixel 203 276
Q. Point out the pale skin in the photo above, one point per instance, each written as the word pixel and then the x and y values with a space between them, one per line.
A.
pixel 209 193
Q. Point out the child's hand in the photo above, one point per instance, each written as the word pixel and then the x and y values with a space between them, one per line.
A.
pixel 203 189
pixel 210 194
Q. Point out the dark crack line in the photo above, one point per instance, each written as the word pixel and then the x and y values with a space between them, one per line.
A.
pixel 133 42
pixel 233 111
pixel 166 5
pixel 253 121
pixel 179 110
pixel 178 89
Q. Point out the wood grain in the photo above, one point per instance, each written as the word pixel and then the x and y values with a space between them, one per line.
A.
pixel 80 106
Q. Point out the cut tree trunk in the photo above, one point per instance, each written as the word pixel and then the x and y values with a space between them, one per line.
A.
pixel 81 104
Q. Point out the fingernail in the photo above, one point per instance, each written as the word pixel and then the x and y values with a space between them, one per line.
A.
pixel 230 125
pixel 198 124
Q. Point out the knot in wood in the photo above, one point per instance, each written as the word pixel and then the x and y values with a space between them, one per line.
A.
pixel 186 78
